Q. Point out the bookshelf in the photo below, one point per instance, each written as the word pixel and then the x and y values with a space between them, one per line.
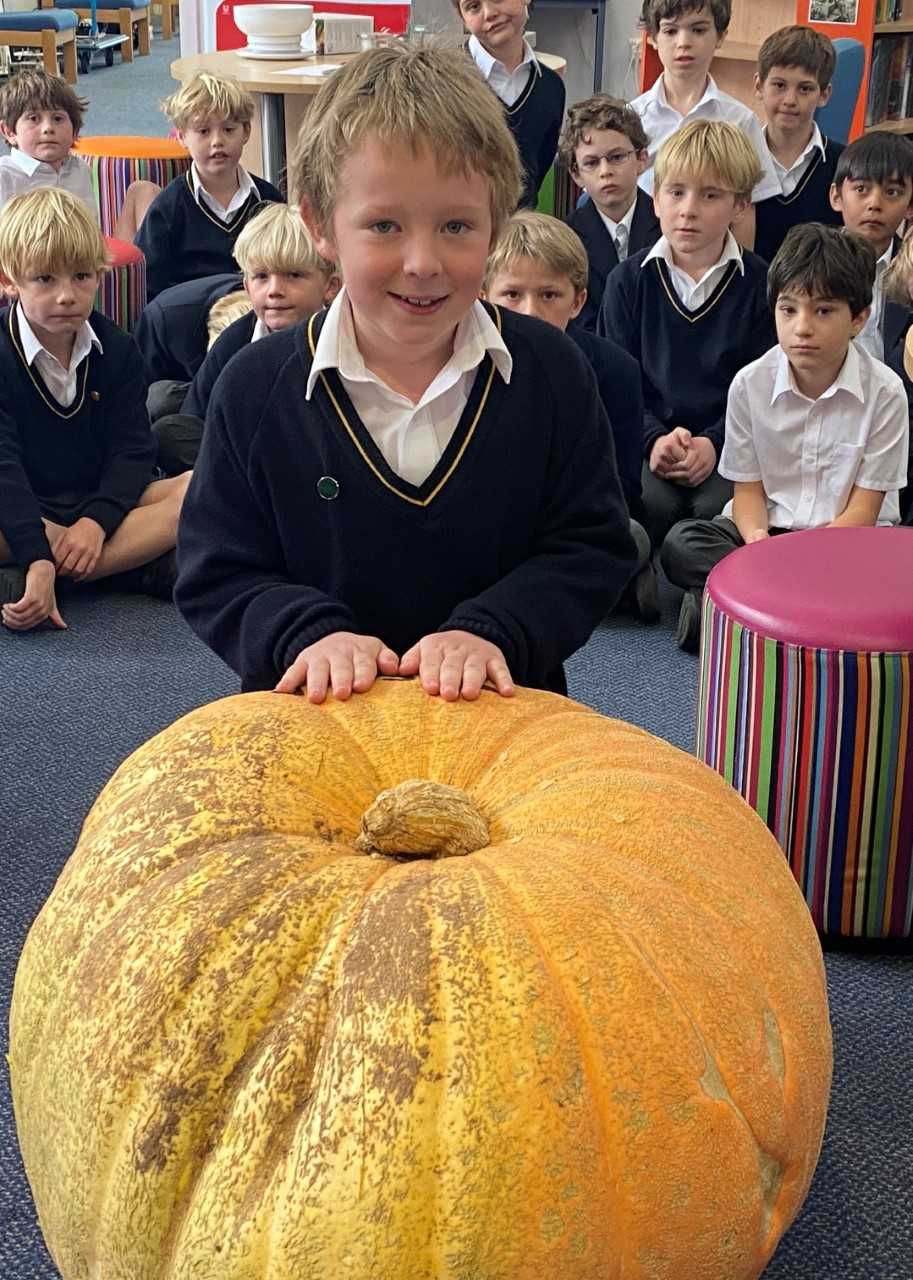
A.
pixel 870 22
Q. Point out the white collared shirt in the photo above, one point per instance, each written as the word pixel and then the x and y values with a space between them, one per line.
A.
pixel 789 178
pixel 692 294
pixel 626 222
pixel 508 85
pixel 660 120
pixel 20 173
pixel 411 437
pixel 246 185
pixel 809 454
pixel 260 330
pixel 871 338
pixel 59 380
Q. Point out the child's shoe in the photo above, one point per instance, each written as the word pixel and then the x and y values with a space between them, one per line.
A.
pixel 688 635
pixel 157 578
pixel 12 584
pixel 646 593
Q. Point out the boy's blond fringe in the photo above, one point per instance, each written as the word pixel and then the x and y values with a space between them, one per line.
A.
pixel 209 97
pixel 276 239
pixel 225 311
pixel 541 238
pixel 712 148
pixel 48 230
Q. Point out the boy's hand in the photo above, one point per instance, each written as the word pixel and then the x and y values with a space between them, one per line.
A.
pixel 699 461
pixel 757 535
pixel 344 662
pixel 669 450
pixel 451 663
pixel 77 550
pixel 37 602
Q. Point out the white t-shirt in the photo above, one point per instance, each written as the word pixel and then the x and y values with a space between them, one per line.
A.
pixel 809 454
pixel 660 120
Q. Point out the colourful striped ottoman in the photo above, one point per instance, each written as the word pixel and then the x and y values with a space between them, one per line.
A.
pixel 115 161
pixel 804 706
pixel 122 292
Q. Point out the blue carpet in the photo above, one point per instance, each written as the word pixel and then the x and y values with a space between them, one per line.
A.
pixel 75 704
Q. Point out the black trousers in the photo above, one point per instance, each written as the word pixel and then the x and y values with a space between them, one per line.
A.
pixel 693 547
pixel 666 503
pixel 177 442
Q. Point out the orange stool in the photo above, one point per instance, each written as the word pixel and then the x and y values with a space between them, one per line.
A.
pixel 122 293
pixel 115 161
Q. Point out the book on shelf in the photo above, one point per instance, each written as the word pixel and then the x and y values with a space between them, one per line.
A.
pixel 890 80
pixel 888 11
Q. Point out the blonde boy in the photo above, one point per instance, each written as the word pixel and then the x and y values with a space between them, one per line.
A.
pixel 605 149
pixel 686 34
pixel 285 281
pixel 77 499
pixel 190 229
pixel 410 483
pixel 691 311
pixel 539 268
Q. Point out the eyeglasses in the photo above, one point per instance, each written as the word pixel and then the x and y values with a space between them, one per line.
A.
pixel 614 159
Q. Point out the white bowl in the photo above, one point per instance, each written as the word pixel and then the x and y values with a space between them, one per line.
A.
pixel 269 21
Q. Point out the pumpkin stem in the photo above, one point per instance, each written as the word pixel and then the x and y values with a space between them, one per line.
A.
pixel 421 819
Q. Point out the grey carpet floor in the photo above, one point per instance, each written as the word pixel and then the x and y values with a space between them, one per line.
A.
pixel 75 704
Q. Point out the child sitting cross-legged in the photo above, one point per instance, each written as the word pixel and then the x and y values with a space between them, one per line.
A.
pixel 413 482
pixel 691 311
pixel 286 280
pixel 539 268
pixel 77 497
pixel 605 149
pixel 191 227
pixel 816 430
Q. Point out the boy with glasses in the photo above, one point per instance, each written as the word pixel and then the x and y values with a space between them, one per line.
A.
pixel 605 149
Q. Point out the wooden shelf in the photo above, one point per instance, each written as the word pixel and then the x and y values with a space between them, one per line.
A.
pixel 741 51
pixel 892 126
pixel 893 28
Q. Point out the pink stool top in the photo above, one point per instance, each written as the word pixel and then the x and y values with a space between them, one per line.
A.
pixel 121 252
pixel 849 589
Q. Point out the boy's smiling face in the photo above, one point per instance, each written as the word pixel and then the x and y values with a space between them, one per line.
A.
pixel 790 97
pixel 281 298
pixel 45 135
pixel 412 243
pixel 687 42
pixel 874 210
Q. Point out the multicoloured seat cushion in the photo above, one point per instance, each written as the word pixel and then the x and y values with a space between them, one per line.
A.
pixel 805 706
pixel 116 161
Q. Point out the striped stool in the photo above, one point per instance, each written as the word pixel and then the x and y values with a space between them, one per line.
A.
pixel 122 293
pixel 117 161
pixel 804 706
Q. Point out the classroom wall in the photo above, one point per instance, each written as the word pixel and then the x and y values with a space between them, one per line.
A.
pixel 571 35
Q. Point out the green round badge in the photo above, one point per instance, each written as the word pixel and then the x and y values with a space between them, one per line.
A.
pixel 328 488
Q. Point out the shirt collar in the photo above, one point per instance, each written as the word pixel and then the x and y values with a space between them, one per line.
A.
pixel 816 140
pixel 28 164
pixel 657 94
pixel 86 338
pixel 848 379
pixel 731 253
pixel 486 63
pixel 337 349
pixel 245 186
pixel 260 330
pixel 626 221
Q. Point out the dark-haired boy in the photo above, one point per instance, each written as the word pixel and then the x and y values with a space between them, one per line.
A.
pixel 41 116
pixel 816 429
pixel 686 34
pixel 605 149
pixel 873 192
pixel 795 68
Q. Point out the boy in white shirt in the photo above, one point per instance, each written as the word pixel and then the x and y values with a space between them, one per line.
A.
pixel 686 34
pixel 816 430
pixel 41 116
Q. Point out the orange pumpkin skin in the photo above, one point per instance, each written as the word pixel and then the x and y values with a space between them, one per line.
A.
pixel 595 1049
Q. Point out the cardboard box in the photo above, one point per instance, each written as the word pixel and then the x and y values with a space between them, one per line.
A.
pixel 339 32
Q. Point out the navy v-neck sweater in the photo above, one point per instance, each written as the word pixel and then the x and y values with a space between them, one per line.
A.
pixel 229 342
pixel 98 452
pixel 810 202
pixel 183 241
pixel 295 527
pixel 687 359
pixel 535 121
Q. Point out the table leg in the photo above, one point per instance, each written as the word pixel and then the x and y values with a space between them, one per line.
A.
pixel 272 138
pixel 600 48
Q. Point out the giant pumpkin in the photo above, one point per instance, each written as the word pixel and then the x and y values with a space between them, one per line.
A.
pixel 397 989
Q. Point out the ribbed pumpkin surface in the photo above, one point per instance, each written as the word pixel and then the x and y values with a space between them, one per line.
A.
pixel 596 1049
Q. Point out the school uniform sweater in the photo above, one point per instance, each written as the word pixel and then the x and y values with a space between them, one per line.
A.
pixel 535 121
pixel 98 451
pixel 687 359
pixel 183 240
pixel 810 202
pixel 295 526
pixel 171 332
pixel 229 342
pixel 600 248
pixel 618 379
